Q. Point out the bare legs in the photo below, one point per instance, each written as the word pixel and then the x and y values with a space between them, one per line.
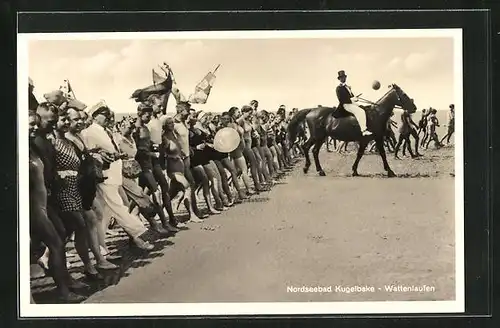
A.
pixel 231 167
pixel 225 183
pixel 250 158
pixel 214 177
pixel 241 166
pixel 179 180
pixel 263 169
pixel 202 178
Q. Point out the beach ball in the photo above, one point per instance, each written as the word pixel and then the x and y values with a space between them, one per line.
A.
pixel 226 140
pixel 376 85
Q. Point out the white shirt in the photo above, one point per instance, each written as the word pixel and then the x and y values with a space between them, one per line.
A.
pixel 96 137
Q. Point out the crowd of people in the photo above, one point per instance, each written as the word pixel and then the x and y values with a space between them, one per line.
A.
pixel 87 169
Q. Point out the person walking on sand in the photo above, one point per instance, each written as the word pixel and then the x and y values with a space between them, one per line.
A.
pixel 451 125
pixel 433 123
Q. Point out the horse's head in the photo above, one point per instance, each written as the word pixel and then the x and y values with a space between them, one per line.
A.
pixel 403 100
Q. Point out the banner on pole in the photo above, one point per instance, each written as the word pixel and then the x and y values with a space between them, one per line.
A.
pixel 203 88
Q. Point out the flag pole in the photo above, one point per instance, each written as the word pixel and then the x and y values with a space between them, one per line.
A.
pixel 69 87
pixel 168 72
pixel 216 69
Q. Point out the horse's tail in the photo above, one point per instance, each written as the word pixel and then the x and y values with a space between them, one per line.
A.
pixel 293 126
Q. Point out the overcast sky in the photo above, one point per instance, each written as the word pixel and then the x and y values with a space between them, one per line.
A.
pixel 295 72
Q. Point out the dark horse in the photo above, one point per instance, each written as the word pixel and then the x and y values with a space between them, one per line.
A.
pixel 343 126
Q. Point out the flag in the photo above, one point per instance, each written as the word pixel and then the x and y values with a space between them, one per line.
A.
pixel 69 94
pixel 202 89
pixel 162 87
pixel 157 79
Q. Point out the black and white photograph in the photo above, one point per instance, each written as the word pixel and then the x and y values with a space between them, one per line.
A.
pixel 241 173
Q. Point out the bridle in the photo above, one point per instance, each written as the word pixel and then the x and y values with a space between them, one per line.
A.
pixel 377 105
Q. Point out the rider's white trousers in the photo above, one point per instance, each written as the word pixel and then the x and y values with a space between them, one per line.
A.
pixel 359 113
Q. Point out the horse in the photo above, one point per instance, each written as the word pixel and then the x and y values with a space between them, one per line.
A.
pixel 343 126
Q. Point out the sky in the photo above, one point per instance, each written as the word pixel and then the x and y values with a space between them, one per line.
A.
pixel 295 72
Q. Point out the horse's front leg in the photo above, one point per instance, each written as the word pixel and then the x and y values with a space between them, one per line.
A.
pixel 361 150
pixel 381 150
pixel 316 149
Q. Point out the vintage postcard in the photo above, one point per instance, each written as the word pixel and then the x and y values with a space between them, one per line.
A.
pixel 241 173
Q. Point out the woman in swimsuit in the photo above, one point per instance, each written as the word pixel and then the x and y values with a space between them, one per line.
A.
pixel 267 125
pixel 237 154
pixel 227 162
pixel 202 168
pixel 242 117
pixel 277 154
pixel 258 149
pixel 216 157
pixel 175 166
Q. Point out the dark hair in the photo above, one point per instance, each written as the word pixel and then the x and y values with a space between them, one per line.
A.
pixel 227 115
pixel 144 108
pixel 232 111
pixel 246 109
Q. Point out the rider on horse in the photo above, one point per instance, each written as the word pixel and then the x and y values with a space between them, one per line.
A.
pixel 347 102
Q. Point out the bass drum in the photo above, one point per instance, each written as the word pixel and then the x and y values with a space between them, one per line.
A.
pixel 226 140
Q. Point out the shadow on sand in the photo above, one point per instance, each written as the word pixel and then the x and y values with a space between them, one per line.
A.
pixel 44 291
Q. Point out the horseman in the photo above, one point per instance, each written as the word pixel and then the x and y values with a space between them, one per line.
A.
pixel 347 102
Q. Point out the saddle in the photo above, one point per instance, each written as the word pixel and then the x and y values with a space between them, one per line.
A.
pixel 340 112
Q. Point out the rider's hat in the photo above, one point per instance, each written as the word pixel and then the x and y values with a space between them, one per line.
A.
pixel 341 74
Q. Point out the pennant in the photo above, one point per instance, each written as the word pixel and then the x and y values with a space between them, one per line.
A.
pixel 202 89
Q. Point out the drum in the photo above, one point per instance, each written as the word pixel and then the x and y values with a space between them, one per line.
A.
pixel 226 140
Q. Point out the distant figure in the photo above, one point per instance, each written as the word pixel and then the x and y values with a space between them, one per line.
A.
pixel 451 124
pixel 407 128
pixel 433 122
pixel 424 125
